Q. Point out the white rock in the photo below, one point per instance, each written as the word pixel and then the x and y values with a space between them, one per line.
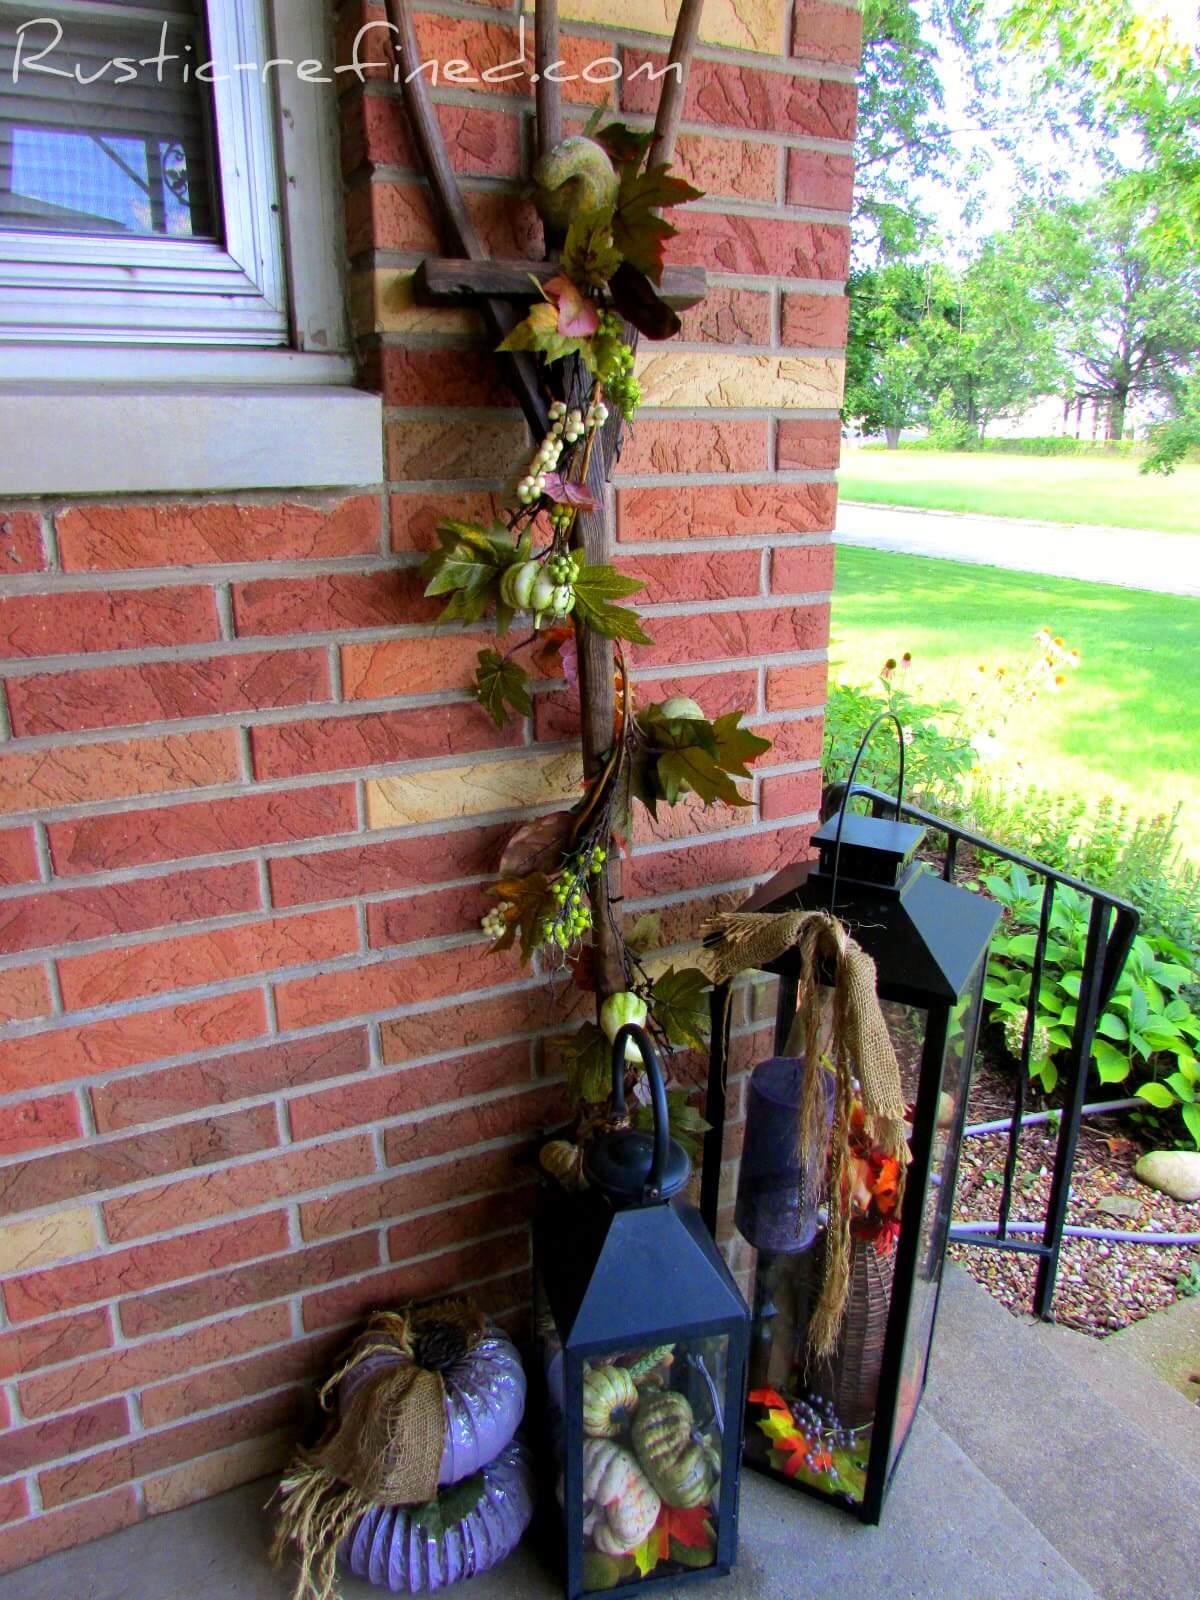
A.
pixel 1173 1172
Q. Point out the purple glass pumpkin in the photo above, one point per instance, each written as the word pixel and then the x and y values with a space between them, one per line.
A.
pixel 485 1401
pixel 392 1546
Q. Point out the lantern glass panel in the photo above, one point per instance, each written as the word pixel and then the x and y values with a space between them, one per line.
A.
pixel 808 1420
pixel 937 1211
pixel 651 1443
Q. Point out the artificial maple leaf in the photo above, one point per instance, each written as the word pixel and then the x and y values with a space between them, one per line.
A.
pixel 648 1554
pixel 567 492
pixel 577 315
pixel 692 1528
pixel 780 1426
pixel 771 1398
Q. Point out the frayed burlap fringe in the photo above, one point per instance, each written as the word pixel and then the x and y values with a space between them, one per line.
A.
pixel 386 1448
pixel 847 1035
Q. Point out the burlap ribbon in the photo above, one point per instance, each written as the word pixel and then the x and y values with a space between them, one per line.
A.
pixel 386 1447
pixel 841 1029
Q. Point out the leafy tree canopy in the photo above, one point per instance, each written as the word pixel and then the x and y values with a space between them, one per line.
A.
pixel 1129 64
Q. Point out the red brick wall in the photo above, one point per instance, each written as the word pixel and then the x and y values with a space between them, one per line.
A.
pixel 247 1010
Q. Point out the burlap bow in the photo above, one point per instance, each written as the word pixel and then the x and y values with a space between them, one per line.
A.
pixel 386 1447
pixel 844 1032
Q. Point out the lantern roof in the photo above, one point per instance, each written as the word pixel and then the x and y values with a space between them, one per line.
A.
pixel 646 1275
pixel 925 936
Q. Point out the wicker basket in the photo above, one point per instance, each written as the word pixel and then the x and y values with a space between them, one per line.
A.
pixel 849 1378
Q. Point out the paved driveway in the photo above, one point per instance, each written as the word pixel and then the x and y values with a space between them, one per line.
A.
pixel 1168 563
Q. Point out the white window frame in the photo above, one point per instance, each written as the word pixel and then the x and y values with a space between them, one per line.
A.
pixel 106 288
pixel 255 319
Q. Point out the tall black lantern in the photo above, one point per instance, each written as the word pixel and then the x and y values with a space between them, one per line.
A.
pixel 837 1425
pixel 643 1337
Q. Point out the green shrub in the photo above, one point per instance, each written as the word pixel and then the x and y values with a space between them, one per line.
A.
pixel 1150 1030
pixel 1100 842
pixel 938 757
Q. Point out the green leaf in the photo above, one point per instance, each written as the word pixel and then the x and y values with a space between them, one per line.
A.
pixel 1111 1026
pixel 467 565
pixel 686 1124
pixel 646 933
pixel 639 233
pixel 695 769
pixel 587 1059
pixel 1191 1119
pixel 589 257
pixel 525 901
pixel 1157 1094
pixel 737 745
pixel 624 144
pixel 1181 1086
pixel 606 583
pixel 1112 1066
pixel 595 589
pixel 539 333
pixel 500 684
pixel 679 1004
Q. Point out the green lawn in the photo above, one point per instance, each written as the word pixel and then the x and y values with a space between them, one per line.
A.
pixel 1127 721
pixel 1050 488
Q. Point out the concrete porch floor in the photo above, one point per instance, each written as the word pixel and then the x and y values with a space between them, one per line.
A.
pixel 1036 1471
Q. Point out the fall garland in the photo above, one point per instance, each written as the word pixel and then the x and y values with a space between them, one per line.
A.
pixel 599 192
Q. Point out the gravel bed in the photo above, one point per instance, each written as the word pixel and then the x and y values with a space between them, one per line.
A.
pixel 1102 1285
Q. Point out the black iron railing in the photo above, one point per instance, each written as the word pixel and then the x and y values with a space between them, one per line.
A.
pixel 1112 924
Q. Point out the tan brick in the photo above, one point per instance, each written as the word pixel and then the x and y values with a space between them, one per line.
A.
pixel 718 378
pixel 471 791
pixel 738 24
pixel 384 303
pixel 197 1480
pixel 35 1243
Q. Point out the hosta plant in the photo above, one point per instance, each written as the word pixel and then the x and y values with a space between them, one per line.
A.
pixel 1149 1033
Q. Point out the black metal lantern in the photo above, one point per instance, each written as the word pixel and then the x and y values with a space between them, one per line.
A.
pixel 837 1425
pixel 643 1336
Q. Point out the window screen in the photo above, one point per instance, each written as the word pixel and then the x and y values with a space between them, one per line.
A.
pixel 120 145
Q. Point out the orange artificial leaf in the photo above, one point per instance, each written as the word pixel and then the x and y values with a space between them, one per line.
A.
pixel 691 1529
pixel 769 1398
pixel 887 1185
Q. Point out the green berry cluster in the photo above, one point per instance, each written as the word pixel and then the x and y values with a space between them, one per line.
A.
pixel 564 568
pixel 596 862
pixel 573 918
pixel 561 517
pixel 614 364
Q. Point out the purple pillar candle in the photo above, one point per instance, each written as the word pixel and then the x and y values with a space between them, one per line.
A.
pixel 778 1190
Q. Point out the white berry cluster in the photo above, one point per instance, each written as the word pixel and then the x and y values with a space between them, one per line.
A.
pixel 597 415
pixel 495 922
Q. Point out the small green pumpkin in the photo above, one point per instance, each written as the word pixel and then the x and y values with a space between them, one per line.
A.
pixel 677 1467
pixel 609 1397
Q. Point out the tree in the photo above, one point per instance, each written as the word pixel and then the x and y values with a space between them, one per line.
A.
pixel 1126 313
pixel 1003 356
pixel 885 357
pixel 1171 441
pixel 903 132
pixel 976 347
pixel 1129 65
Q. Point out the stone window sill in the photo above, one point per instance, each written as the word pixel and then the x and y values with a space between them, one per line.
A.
pixel 275 422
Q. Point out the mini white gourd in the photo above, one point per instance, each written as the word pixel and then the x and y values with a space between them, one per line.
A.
pixel 613 1479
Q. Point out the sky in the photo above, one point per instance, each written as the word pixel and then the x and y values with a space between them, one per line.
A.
pixel 1000 183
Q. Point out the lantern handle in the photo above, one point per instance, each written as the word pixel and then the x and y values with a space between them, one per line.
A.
pixel 658 1098
pixel 848 791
